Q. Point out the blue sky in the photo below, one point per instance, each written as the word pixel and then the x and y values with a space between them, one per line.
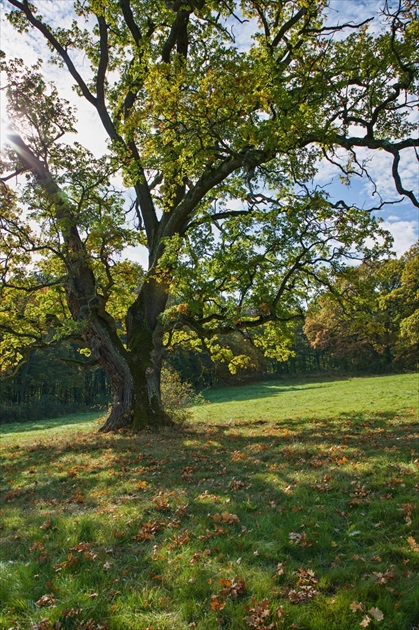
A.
pixel 402 219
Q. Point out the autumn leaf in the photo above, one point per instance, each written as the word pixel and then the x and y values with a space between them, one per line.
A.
pixel 46 600
pixel 232 588
pixel 259 616
pixel 365 621
pixel 299 539
pixel 46 524
pixel 356 606
pixel 383 578
pixel 225 517
pixel 148 531
pixel 216 604
pixel 376 613
pixel 300 595
pixel 413 544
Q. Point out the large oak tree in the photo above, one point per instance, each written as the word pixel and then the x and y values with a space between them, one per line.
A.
pixel 219 145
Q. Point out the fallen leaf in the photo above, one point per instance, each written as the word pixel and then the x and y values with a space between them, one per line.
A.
pixel 376 613
pixel 216 604
pixel 413 544
pixel 365 622
pixel 46 600
pixel 225 517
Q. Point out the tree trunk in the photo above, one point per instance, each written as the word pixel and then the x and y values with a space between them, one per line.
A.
pixel 134 373
pixel 145 347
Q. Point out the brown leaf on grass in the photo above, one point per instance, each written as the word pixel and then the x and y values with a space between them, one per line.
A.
pixel 178 540
pixel 365 622
pixel 91 624
pixel 148 531
pixel 225 517
pixel 236 484
pixel 260 615
pixel 85 549
pixel 46 600
pixel 141 485
pixel 45 624
pixel 306 576
pixel 13 494
pixel 187 473
pixel 299 539
pixel 216 604
pixel 407 509
pixel 198 555
pixel 298 596
pixel 232 588
pixel 46 524
pixel 376 613
pixel 77 497
pixel 237 456
pixel 279 569
pixel 383 578
pixel 70 613
pixel 217 531
pixel 357 606
pixel 71 560
pixel 161 503
pixel 81 547
pixel 413 544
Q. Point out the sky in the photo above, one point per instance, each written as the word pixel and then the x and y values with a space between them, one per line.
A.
pixel 401 219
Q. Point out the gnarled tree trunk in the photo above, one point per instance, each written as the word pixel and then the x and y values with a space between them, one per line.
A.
pixel 135 373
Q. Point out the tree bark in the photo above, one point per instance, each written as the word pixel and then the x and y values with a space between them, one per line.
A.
pixel 145 348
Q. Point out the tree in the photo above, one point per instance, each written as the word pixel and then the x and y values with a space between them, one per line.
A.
pixel 219 147
pixel 369 321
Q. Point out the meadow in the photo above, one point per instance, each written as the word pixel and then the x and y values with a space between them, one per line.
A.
pixel 277 505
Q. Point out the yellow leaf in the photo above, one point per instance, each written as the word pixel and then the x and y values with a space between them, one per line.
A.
pixel 413 544
pixel 365 622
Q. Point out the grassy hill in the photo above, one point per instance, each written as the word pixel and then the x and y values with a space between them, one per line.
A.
pixel 286 504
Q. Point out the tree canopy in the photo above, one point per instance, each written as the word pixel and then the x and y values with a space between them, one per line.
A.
pixel 218 146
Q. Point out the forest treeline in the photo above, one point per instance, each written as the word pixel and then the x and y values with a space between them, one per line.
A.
pixel 366 322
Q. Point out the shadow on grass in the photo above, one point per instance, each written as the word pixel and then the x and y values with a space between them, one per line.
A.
pixel 49 423
pixel 267 389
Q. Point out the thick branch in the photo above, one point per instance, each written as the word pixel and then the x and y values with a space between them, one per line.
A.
pixel 129 20
pixel 178 36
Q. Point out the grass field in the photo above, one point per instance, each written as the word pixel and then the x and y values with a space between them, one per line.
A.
pixel 287 504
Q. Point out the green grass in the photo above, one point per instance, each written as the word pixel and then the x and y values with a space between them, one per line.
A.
pixel 287 504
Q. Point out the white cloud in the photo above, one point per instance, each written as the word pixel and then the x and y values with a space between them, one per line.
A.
pixel 405 234
pixel 136 254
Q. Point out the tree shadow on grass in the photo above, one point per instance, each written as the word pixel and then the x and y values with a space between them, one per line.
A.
pixel 173 513
pixel 48 423
pixel 268 389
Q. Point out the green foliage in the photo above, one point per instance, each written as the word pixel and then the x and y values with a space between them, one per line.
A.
pixel 372 315
pixel 178 396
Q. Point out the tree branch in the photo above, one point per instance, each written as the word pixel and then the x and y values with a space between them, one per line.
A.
pixel 24 8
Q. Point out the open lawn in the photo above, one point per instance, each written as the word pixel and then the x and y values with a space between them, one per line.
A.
pixel 286 504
